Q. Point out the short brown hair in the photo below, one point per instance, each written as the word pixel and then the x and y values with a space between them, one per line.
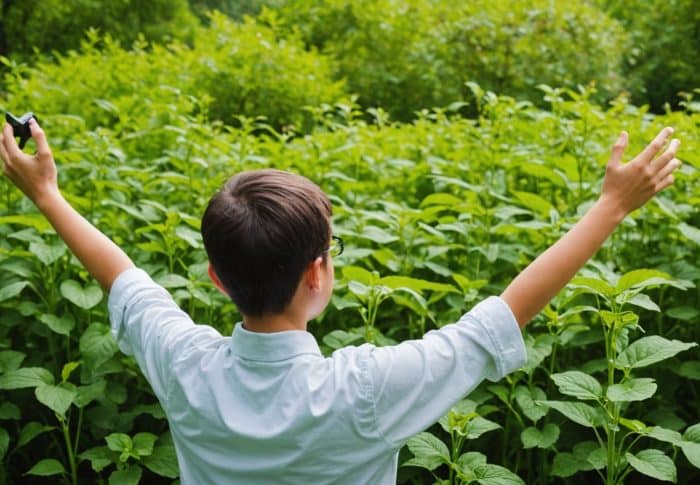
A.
pixel 260 231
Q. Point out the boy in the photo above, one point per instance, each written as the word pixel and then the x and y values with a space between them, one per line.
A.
pixel 264 406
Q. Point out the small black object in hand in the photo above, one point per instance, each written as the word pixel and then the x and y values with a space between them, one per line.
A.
pixel 20 126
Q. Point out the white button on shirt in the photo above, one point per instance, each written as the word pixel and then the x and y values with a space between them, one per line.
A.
pixel 259 408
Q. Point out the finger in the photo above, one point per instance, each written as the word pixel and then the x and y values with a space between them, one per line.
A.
pixel 656 144
pixel 667 156
pixel 3 152
pixel 668 169
pixel 668 180
pixel 42 146
pixel 619 147
pixel 9 143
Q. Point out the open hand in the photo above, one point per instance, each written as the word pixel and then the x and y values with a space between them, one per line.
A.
pixel 627 187
pixel 35 175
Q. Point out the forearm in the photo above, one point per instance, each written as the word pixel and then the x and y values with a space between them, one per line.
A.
pixel 102 258
pixel 537 284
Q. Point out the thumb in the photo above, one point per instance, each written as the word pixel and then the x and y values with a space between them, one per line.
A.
pixel 619 148
pixel 42 146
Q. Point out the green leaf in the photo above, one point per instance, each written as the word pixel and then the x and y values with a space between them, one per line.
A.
pixel 10 360
pixel 46 468
pixel 592 285
pixel 30 431
pixel 68 369
pixel 47 254
pixel 690 232
pixel 578 412
pixel 119 442
pixel 691 444
pixel 578 384
pixel 650 350
pixel 496 475
pixel 4 442
pixel 428 450
pixel 143 443
pixel 57 398
pixel 85 298
pixel 653 463
pixel 25 377
pixel 130 476
pixel 643 301
pixel 9 410
pixel 641 278
pixel 84 395
pixel 60 325
pixel 533 437
pixel 478 426
pixel 163 461
pixel 359 275
pixel 395 282
pixel 665 435
pixel 12 290
pixel 586 456
pixel 97 345
pixel 526 399
pixel 690 369
pixel 100 457
pixel 534 202
pixel 637 389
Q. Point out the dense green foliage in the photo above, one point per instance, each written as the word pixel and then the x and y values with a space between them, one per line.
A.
pixel 26 27
pixel 409 55
pixel 436 215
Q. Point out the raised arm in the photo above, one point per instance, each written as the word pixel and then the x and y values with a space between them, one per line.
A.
pixel 35 175
pixel 626 187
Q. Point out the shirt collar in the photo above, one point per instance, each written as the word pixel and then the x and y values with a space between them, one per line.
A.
pixel 274 346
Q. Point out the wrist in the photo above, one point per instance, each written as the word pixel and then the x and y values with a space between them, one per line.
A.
pixel 608 209
pixel 46 199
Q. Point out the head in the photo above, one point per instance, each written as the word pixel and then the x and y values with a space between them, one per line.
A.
pixel 263 231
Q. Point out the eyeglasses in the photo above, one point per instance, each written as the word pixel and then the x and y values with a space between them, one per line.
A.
pixel 336 246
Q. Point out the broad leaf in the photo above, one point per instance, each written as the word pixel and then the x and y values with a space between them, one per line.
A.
pixel 429 450
pixel 650 350
pixel 12 290
pixel 46 468
pixel 163 461
pixel 85 298
pixel 97 345
pixel 496 475
pixel 578 384
pixel 641 278
pixel 30 431
pixel 130 476
pixel 57 398
pixel 25 377
pixel 653 463
pixel 637 389
pixel 534 438
pixel 526 399
pixel 578 412
pixel 100 457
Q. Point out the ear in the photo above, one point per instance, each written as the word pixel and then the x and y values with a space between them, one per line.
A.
pixel 215 279
pixel 313 274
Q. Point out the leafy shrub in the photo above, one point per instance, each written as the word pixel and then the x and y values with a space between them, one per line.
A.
pixel 232 70
pixel 59 25
pixel 666 40
pixel 408 55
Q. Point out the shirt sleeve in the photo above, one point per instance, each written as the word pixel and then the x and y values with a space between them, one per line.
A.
pixel 416 382
pixel 147 324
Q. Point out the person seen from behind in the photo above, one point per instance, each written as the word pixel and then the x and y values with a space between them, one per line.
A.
pixel 263 405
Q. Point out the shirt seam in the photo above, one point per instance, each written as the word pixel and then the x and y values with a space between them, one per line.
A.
pixel 373 406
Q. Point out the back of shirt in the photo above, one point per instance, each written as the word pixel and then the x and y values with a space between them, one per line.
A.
pixel 269 408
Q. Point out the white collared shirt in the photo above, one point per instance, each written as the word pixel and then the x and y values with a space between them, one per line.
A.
pixel 259 408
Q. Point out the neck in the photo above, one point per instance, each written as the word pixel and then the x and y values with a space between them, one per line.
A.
pixel 273 323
